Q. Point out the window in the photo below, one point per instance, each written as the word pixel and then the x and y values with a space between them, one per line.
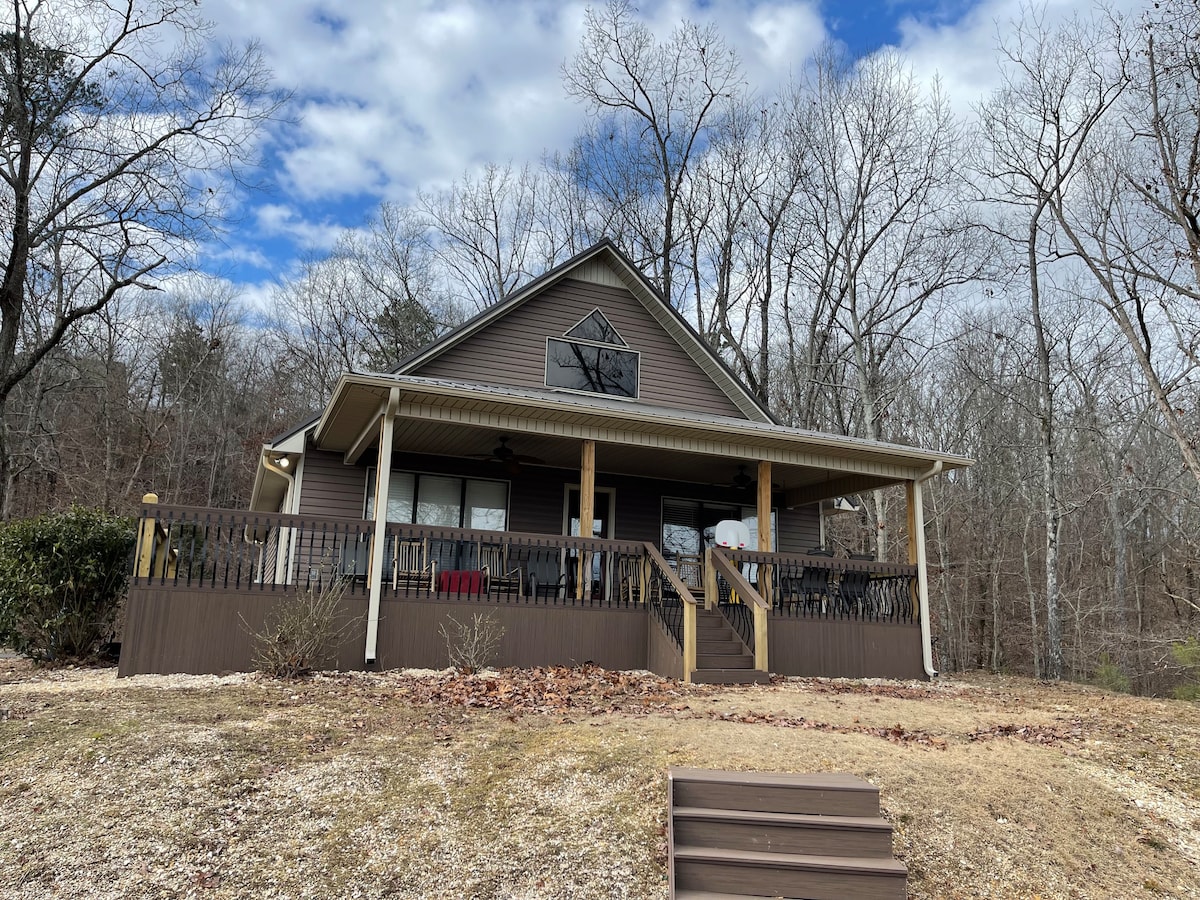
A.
pixel 689 526
pixel 418 499
pixel 591 357
pixel 595 327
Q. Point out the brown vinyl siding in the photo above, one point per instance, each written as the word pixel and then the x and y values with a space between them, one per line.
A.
pixel 798 530
pixel 512 349
pixel 815 648
pixel 330 487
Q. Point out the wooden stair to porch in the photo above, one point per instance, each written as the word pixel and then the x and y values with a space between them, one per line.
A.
pixel 721 657
pixel 752 834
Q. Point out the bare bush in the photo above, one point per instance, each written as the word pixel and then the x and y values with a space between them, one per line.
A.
pixel 472 645
pixel 300 637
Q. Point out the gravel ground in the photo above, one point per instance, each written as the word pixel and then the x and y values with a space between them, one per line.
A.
pixel 551 783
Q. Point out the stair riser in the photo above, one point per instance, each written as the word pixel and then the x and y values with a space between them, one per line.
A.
pixel 785 882
pixel 730 676
pixel 719 648
pixel 812 840
pixel 724 661
pixel 771 798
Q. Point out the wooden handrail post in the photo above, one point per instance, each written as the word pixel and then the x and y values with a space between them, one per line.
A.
pixel 689 641
pixel 147 536
pixel 587 514
pixel 760 637
pixel 764 526
pixel 710 581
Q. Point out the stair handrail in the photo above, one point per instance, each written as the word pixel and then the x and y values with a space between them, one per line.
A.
pixel 720 564
pixel 689 607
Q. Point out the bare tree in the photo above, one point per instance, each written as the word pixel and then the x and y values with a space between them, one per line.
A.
pixel 654 104
pixel 1057 91
pixel 883 215
pixel 119 122
pixel 487 234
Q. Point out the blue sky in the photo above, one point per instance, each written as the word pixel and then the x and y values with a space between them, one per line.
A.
pixel 395 96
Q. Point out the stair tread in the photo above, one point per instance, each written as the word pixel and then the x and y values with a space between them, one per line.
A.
pixel 885 866
pixel 858 823
pixel 748 675
pixel 818 780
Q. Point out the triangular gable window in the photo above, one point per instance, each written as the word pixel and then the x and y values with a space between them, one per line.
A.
pixel 596 327
pixel 590 358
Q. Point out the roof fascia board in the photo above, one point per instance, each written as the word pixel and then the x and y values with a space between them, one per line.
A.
pixel 912 456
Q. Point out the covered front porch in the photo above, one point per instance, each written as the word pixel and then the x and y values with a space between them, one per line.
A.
pixel 486 492
pixel 206 580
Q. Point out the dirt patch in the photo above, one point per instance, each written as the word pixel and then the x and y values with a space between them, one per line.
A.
pixel 551 782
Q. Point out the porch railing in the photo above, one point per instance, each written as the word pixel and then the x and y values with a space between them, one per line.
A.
pixel 740 602
pixel 825 587
pixel 218 549
pixel 213 549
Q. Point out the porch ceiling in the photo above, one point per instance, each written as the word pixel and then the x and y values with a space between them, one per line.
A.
pixel 440 417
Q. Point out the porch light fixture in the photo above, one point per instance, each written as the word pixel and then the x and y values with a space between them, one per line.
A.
pixel 283 461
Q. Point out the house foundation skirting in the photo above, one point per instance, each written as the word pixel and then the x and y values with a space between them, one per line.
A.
pixel 211 631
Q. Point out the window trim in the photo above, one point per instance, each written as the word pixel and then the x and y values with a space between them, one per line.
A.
pixel 612 508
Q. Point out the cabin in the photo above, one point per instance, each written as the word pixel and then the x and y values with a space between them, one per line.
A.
pixel 577 465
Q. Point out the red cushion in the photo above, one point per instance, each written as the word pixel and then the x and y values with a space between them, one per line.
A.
pixel 460 581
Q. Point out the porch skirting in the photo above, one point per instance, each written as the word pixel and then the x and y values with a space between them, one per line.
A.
pixel 211 631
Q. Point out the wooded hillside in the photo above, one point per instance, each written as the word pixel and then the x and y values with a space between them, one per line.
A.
pixel 1013 277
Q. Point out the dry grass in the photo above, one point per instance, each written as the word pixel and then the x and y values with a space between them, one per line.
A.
pixel 419 785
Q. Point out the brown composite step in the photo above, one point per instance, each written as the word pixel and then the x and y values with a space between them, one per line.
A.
pixel 748 675
pixel 758 874
pixel 737 829
pixel 721 657
pixel 822 794
pixel 735 835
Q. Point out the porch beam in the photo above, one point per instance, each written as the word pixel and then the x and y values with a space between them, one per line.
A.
pixel 708 443
pixel 836 487
pixel 383 475
pixel 587 510
pixel 362 443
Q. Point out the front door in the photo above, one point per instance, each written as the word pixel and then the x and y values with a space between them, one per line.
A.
pixel 602 527
pixel 603 521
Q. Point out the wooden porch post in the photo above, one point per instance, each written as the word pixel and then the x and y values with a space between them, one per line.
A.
pixel 383 477
pixel 587 512
pixel 764 526
pixel 147 534
pixel 916 556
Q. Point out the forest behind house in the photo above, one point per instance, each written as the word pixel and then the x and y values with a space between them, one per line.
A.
pixel 1013 277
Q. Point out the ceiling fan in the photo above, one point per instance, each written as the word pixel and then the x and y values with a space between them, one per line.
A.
pixel 744 481
pixel 506 456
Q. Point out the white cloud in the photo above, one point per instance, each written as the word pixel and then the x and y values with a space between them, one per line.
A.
pixel 275 220
pixel 396 96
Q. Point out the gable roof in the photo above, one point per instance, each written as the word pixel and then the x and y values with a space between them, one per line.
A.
pixel 630 277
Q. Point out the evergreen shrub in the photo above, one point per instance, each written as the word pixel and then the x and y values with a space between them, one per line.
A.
pixel 62 581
